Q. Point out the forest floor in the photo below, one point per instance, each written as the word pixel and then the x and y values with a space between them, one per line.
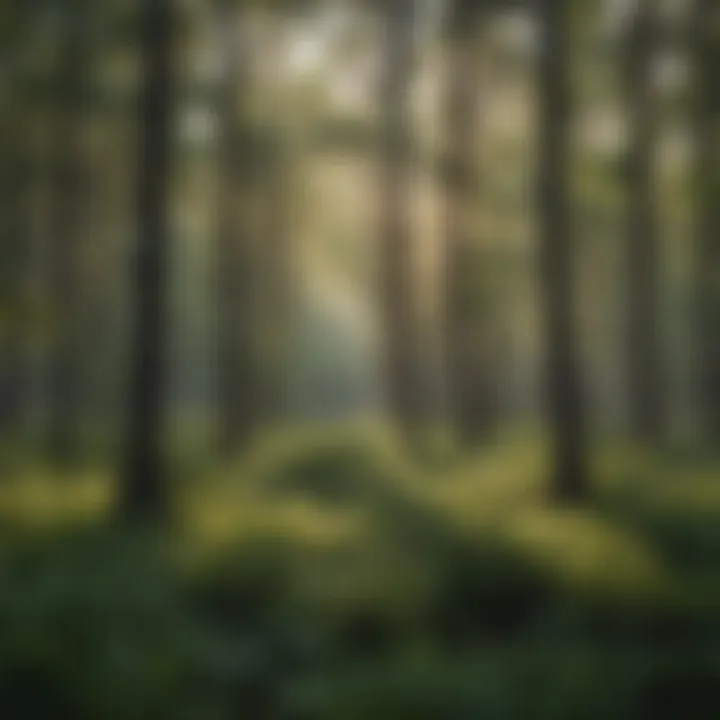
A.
pixel 326 576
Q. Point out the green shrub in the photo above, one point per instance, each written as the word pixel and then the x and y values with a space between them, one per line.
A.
pixel 340 470
pixel 91 627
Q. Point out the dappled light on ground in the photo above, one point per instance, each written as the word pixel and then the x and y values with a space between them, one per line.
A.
pixel 336 578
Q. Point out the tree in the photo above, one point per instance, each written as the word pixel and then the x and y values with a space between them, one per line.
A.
pixel 563 384
pixel 253 268
pixel 13 268
pixel 471 350
pixel 706 56
pixel 144 481
pixel 644 365
pixel 403 382
pixel 15 177
pixel 239 387
pixel 68 188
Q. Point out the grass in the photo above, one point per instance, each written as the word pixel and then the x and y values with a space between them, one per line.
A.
pixel 326 576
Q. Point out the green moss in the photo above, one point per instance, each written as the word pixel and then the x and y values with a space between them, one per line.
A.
pixel 326 577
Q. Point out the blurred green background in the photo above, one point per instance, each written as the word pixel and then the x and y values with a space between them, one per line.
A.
pixel 359 359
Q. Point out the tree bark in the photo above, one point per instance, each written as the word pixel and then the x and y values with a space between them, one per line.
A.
pixel 644 351
pixel 240 370
pixel 66 243
pixel 14 237
pixel 470 332
pixel 14 281
pixel 706 57
pixel 403 375
pixel 569 481
pixel 144 482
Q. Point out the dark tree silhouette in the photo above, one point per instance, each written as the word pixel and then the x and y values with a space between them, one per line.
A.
pixel 644 353
pixel 14 233
pixel 403 382
pixel 563 383
pixel 14 282
pixel 239 387
pixel 67 233
pixel 472 375
pixel 144 486
pixel 706 55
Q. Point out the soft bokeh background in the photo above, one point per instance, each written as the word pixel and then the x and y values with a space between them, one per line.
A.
pixel 359 359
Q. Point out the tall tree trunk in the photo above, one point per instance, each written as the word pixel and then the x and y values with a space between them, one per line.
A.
pixel 470 335
pixel 569 482
pixel 14 265
pixel 240 386
pixel 706 55
pixel 144 481
pixel 644 352
pixel 403 382
pixel 14 240
pixel 67 237
pixel 280 264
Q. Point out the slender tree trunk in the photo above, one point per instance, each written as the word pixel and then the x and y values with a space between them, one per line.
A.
pixel 240 386
pixel 280 275
pixel 644 352
pixel 144 481
pixel 14 236
pixel 14 266
pixel 67 240
pixel 471 351
pixel 569 482
pixel 706 55
pixel 403 384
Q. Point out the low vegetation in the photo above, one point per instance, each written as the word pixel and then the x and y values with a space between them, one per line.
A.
pixel 327 578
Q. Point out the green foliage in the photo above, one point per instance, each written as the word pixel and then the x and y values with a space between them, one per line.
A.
pixel 349 586
pixel 91 627
pixel 341 470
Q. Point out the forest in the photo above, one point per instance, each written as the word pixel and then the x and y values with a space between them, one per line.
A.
pixel 360 359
